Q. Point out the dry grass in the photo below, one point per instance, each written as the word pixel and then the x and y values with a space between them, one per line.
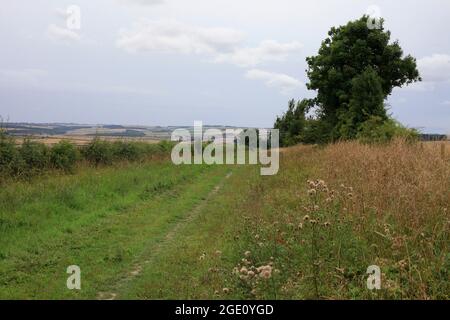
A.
pixel 385 205
pixel 410 183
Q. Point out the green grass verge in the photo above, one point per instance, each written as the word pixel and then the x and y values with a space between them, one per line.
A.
pixel 98 219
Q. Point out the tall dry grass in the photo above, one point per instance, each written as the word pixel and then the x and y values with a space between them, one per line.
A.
pixel 385 205
pixel 408 182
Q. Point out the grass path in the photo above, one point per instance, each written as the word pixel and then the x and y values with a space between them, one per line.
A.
pixel 145 258
pixel 98 219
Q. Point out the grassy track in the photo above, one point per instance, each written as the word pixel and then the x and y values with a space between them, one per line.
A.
pixel 100 220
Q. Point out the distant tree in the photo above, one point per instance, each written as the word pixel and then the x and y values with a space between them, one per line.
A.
pixel 292 123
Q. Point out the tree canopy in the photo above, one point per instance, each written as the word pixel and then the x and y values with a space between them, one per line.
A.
pixel 353 73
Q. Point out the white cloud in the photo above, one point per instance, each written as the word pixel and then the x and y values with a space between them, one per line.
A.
pixel 169 36
pixel 62 34
pixel 435 68
pixel 223 45
pixel 268 50
pixel 446 103
pixel 286 84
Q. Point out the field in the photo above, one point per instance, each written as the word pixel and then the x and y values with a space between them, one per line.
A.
pixel 80 140
pixel 83 134
pixel 153 230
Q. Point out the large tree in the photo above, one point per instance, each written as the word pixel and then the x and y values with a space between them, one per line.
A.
pixel 354 71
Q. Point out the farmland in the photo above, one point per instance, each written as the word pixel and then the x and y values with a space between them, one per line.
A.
pixel 83 134
pixel 153 230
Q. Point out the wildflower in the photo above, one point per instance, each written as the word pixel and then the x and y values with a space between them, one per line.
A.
pixel 203 256
pixel 265 272
pixel 250 273
pixel 300 225
pixel 402 264
pixel 247 253
pixel 311 184
pixel 218 252
pixel 306 218
pixel 226 290
pixel 253 292
pixel 316 208
pixel 313 221
pixel 312 192
pixel 328 200
pixel 243 270
pixel 326 224
pixel 257 236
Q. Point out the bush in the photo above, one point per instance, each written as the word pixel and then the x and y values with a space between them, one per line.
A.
pixel 98 152
pixel 33 157
pixel 165 146
pixel 63 156
pixel 36 156
pixel 377 130
pixel 127 151
pixel 7 151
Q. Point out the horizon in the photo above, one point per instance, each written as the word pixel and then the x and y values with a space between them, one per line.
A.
pixel 175 126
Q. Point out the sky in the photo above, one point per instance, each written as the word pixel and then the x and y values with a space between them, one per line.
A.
pixel 171 62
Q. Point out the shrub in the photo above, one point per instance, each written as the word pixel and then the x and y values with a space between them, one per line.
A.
pixel 98 152
pixel 10 161
pixel 377 130
pixel 127 150
pixel 36 156
pixel 165 145
pixel 63 156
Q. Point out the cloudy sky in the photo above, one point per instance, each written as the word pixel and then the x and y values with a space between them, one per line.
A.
pixel 170 62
